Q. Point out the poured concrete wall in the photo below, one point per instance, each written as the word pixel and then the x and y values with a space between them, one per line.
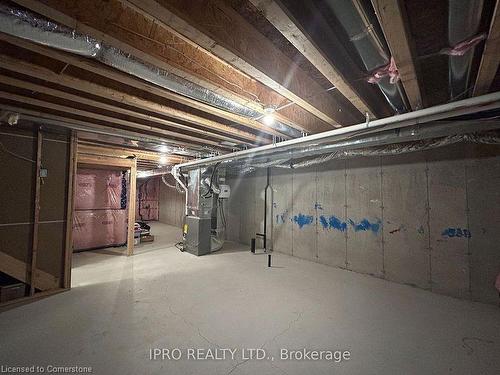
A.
pixel 427 219
pixel 171 204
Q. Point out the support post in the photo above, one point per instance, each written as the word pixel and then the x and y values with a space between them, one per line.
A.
pixel 68 252
pixel 131 208
pixel 36 215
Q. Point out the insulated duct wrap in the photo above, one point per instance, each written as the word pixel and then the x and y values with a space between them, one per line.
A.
pixel 27 25
pixel 385 150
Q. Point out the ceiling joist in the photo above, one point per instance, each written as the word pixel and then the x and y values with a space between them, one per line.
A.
pixel 106 93
pixel 289 29
pixel 242 46
pixel 391 16
pixel 489 61
pixel 109 73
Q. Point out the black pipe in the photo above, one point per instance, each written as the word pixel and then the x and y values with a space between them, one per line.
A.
pixel 265 207
pixel 252 245
pixel 269 260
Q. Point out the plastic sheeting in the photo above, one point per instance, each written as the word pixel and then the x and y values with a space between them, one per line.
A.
pixel 96 188
pixel 99 228
pixel 147 201
pixel 385 150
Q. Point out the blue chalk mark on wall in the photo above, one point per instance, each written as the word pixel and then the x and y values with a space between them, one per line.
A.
pixel 366 225
pixel 332 222
pixel 456 232
pixel 303 220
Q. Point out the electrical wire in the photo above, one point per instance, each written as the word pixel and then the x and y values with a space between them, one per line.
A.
pixel 4 149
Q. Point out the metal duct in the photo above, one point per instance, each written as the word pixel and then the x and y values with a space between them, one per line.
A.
pixel 463 23
pixel 411 119
pixel 27 25
pixel 359 27
pixel 385 145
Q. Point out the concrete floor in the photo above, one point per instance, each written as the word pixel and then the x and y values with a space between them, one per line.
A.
pixel 121 307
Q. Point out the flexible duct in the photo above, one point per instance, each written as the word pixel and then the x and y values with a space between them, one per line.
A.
pixel 463 22
pixel 27 25
pixel 376 151
pixel 359 27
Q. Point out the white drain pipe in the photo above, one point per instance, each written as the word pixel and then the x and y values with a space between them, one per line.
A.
pixel 439 112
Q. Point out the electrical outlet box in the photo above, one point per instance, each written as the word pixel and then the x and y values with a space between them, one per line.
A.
pixel 225 191
pixel 44 172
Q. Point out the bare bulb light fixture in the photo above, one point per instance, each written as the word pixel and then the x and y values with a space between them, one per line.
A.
pixel 268 118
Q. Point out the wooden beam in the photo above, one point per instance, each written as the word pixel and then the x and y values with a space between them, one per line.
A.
pixel 391 16
pixel 304 44
pixel 106 161
pixel 36 215
pixel 19 270
pixel 136 49
pixel 490 60
pixel 90 115
pixel 131 208
pixel 86 125
pixel 124 152
pixel 129 80
pixel 83 100
pixel 226 34
pixel 68 248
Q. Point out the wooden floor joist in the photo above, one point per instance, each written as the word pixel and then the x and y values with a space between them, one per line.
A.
pixel 287 27
pixel 80 99
pixel 56 11
pixel 73 111
pixel 41 73
pixel 239 44
pixel 104 71
pixel 489 61
pixel 391 15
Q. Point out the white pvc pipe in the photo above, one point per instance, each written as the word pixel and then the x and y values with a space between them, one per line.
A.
pixel 462 107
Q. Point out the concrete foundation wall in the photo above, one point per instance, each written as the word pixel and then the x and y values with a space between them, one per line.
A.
pixel 171 204
pixel 427 219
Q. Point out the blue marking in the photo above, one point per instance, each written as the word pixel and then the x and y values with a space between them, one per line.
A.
pixel 335 223
pixel 332 222
pixel 303 220
pixel 323 221
pixel 366 225
pixel 456 232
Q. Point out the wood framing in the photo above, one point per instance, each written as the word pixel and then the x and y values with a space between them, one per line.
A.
pixel 160 121
pixel 490 60
pixel 113 120
pixel 129 164
pixel 64 13
pixel 36 216
pixel 20 270
pixel 68 248
pixel 289 29
pixel 129 80
pixel 239 44
pixel 114 151
pixel 391 16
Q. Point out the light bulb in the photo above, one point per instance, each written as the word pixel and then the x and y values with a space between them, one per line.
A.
pixel 268 119
pixel 163 160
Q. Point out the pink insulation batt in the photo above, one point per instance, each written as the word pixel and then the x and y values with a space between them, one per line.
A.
pixel 99 220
